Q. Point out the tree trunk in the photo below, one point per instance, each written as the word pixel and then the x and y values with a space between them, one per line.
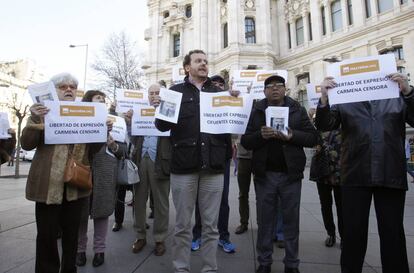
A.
pixel 17 158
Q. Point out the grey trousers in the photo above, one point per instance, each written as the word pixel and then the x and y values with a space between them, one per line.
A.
pixel 184 188
pixel 160 189
pixel 268 189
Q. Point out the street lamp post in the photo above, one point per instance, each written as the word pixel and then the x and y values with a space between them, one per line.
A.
pixel 86 62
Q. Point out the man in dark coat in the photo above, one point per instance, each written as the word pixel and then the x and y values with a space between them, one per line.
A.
pixel 372 165
pixel 197 166
pixel 278 162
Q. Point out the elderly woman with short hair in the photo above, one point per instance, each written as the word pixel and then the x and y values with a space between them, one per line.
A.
pixel 58 205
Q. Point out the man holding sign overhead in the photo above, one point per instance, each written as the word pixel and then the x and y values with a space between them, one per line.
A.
pixel 197 165
pixel 373 165
pixel 278 162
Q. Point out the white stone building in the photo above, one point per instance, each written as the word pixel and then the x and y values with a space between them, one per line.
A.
pixel 296 35
pixel 15 76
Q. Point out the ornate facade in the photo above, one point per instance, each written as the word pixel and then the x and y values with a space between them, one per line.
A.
pixel 298 35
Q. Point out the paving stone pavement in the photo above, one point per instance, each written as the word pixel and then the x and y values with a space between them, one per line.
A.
pixel 18 233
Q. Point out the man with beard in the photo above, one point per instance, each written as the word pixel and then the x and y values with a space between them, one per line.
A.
pixel 197 165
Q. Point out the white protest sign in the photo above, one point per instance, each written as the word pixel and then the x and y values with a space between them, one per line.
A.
pixel 119 129
pixel 126 99
pixel 242 79
pixel 170 104
pixel 314 94
pixel 278 118
pixel 41 92
pixel 178 74
pixel 79 95
pixel 4 126
pixel 75 122
pixel 143 122
pixel 221 113
pixel 363 79
pixel 257 89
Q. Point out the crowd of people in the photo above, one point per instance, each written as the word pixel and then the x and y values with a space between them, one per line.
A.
pixel 363 146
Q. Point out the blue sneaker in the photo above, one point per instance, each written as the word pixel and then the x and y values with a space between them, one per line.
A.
pixel 195 244
pixel 227 246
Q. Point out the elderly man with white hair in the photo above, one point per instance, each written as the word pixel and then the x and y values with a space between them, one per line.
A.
pixel 152 154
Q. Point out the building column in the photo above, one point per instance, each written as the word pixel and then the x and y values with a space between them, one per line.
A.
pixel 263 23
pixel 328 20
pixel 344 13
pixel 358 8
pixel 293 33
pixel 204 27
pixel 316 19
pixel 306 34
pixel 374 8
pixel 233 22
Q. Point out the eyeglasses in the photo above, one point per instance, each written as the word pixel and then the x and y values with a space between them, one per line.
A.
pixel 278 85
pixel 66 86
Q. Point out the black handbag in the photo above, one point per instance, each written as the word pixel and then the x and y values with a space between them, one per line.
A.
pixel 319 167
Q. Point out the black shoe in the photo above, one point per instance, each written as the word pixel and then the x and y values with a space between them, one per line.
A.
pixel 291 270
pixel 263 269
pixel 116 227
pixel 151 215
pixel 80 258
pixel 330 241
pixel 98 259
pixel 241 229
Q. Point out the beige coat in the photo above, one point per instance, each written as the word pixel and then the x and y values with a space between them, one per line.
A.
pixel 45 181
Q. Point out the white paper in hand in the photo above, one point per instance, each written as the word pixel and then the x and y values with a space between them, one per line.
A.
pixel 4 126
pixel 169 107
pixel 42 92
pixel 119 129
pixel 278 118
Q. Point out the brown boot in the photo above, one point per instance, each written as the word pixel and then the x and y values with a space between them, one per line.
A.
pixel 138 245
pixel 159 249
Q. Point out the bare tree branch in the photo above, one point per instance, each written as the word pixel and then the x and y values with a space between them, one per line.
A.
pixel 118 63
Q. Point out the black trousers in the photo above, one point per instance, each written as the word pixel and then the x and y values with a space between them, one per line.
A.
pixel 389 208
pixel 326 200
pixel 120 205
pixel 49 219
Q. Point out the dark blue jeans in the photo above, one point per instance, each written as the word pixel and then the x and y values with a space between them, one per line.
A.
pixel 223 221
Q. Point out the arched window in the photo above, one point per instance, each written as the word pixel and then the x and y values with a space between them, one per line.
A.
pixel 336 15
pixel 323 20
pixel 384 5
pixel 225 35
pixel 176 45
pixel 299 31
pixel 250 30
pixel 188 11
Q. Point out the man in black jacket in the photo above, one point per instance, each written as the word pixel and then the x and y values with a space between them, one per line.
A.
pixel 278 162
pixel 372 165
pixel 197 166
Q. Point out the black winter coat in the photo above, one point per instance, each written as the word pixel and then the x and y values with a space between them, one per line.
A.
pixel 373 135
pixel 304 135
pixel 193 151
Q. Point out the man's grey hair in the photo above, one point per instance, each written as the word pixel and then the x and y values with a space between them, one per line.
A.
pixel 64 78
